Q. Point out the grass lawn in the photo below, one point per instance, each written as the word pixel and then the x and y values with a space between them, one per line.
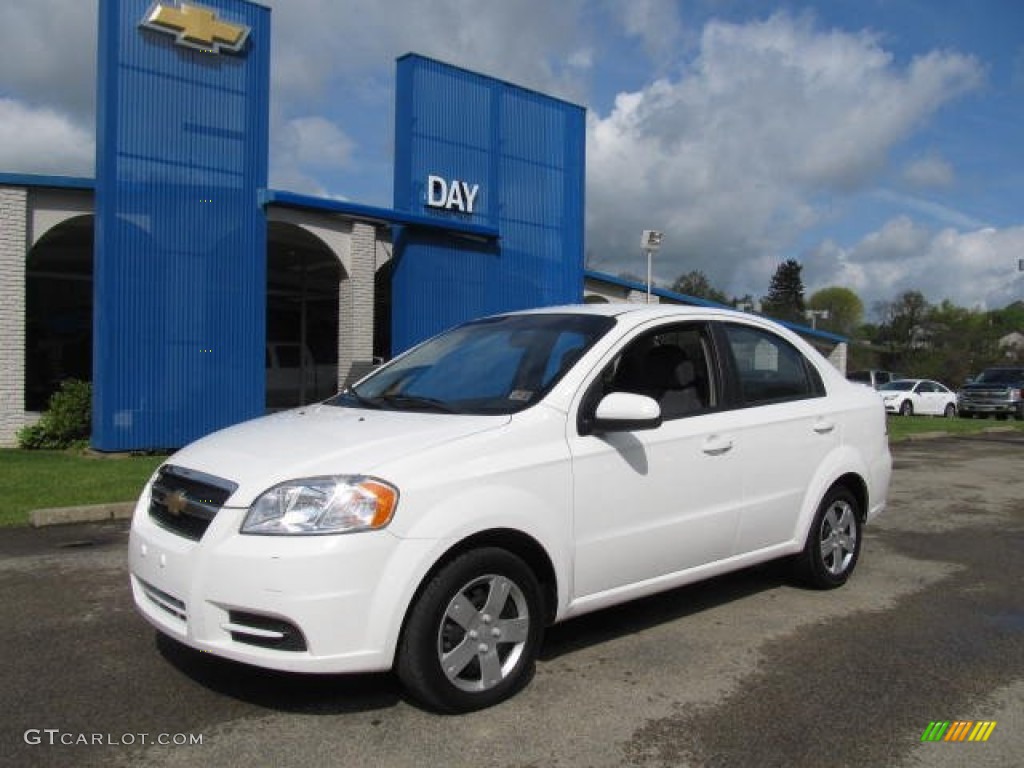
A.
pixel 905 427
pixel 40 479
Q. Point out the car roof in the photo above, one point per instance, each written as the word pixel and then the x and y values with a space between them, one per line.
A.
pixel 639 311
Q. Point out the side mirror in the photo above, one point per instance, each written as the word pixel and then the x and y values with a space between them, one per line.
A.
pixel 625 412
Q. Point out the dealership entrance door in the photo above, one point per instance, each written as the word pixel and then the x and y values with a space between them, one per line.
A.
pixel 303 278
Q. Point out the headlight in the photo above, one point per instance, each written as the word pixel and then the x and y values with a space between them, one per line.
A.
pixel 319 505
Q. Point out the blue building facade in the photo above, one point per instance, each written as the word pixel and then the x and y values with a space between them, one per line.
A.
pixel 180 248
pixel 476 149
pixel 488 212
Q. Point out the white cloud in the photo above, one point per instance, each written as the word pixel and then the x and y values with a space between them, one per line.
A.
pixel 48 54
pixel 655 23
pixel 303 146
pixel 972 269
pixel 41 140
pixel 929 172
pixel 731 160
pixel 534 43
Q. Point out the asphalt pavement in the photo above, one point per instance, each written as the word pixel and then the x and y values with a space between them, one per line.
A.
pixel 745 670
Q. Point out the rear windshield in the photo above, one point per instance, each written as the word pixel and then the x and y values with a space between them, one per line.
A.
pixel 899 386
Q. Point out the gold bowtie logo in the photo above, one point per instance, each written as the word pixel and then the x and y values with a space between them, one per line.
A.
pixel 197 27
pixel 176 502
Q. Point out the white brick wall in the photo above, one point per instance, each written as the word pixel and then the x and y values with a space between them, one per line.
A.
pixel 13 249
pixel 355 307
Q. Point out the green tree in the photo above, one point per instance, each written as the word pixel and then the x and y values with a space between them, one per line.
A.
pixel 785 299
pixel 902 330
pixel 959 343
pixel 696 283
pixel 844 307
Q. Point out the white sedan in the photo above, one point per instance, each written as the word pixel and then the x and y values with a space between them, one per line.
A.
pixel 511 473
pixel 918 396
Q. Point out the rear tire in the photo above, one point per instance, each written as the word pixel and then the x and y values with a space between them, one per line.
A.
pixel 833 542
pixel 472 635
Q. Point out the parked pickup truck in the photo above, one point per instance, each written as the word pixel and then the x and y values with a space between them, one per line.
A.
pixel 996 391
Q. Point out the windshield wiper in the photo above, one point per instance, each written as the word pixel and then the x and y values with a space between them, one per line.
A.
pixel 351 394
pixel 411 401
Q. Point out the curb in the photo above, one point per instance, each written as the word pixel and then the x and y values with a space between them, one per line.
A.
pixel 94 513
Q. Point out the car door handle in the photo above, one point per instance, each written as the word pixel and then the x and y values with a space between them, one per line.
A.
pixel 824 426
pixel 716 446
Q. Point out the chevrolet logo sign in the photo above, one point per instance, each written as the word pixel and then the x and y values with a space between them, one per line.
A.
pixel 176 503
pixel 197 27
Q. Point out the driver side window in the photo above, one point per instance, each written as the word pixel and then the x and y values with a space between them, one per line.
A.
pixel 670 365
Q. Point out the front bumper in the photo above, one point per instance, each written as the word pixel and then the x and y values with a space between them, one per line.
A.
pixel 302 604
pixel 966 406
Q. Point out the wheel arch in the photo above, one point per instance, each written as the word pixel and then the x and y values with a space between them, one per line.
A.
pixel 855 484
pixel 844 468
pixel 520 544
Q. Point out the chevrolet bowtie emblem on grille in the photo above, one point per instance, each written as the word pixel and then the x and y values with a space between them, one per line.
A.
pixel 197 27
pixel 176 502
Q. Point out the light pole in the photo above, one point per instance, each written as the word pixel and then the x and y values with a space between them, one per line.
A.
pixel 814 314
pixel 650 241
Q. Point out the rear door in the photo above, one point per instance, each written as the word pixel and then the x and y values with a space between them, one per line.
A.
pixel 783 432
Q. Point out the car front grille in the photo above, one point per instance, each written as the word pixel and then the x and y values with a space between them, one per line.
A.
pixel 186 501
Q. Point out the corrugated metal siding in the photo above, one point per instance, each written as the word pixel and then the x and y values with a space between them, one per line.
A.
pixel 180 253
pixel 527 152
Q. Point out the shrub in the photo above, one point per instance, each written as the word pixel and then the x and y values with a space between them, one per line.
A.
pixel 66 422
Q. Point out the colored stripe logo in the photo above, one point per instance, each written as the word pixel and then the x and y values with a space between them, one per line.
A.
pixel 958 730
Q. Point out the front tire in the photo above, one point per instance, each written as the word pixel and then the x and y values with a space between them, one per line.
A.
pixel 472 635
pixel 906 408
pixel 950 412
pixel 833 543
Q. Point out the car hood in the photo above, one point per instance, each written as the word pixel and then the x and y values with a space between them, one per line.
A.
pixel 321 440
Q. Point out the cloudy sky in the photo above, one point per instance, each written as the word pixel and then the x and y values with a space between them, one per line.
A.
pixel 878 142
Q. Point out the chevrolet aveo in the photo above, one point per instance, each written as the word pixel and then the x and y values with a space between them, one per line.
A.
pixel 513 472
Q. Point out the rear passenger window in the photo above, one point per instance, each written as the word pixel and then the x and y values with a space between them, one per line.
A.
pixel 769 368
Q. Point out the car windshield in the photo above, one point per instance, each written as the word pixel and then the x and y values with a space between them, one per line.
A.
pixel 899 386
pixel 493 366
pixel 1000 376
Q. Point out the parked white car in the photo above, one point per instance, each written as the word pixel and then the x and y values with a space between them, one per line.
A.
pixel 511 473
pixel 923 397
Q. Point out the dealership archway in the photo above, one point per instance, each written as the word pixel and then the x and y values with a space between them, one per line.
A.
pixel 58 309
pixel 303 279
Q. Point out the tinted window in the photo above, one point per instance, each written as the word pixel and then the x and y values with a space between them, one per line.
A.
pixel 497 365
pixel 671 365
pixel 1001 376
pixel 897 386
pixel 288 356
pixel 769 368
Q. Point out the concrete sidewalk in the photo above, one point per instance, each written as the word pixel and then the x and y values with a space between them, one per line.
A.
pixel 92 513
